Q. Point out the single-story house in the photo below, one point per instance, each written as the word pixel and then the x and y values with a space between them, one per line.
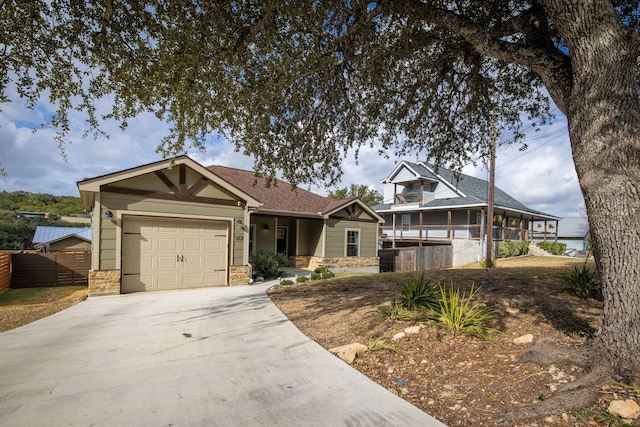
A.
pixel 47 239
pixel 425 206
pixel 178 224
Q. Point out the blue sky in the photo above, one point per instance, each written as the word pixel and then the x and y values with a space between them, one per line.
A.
pixel 542 177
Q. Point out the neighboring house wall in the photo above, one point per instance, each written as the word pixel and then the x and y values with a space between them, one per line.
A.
pixel 70 244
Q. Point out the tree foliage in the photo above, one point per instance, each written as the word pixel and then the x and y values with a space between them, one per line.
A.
pixel 368 195
pixel 287 80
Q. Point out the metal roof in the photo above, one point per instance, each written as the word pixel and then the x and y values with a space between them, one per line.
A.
pixel 46 234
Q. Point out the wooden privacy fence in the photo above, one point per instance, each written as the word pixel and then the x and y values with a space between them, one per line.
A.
pixel 416 258
pixel 5 270
pixel 50 269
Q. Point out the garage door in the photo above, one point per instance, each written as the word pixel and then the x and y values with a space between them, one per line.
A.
pixel 160 254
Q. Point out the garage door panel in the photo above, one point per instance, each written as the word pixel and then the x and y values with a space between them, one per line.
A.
pixel 167 281
pixel 192 244
pixel 212 262
pixel 166 244
pixel 167 262
pixel 144 263
pixel 173 254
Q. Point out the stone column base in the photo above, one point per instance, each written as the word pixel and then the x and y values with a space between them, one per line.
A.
pixel 104 282
pixel 239 275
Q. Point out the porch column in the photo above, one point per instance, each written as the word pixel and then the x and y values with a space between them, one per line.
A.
pixel 449 224
pixel 393 230
pixel 522 229
pixel 557 222
pixel 481 233
pixel 504 224
pixel 420 229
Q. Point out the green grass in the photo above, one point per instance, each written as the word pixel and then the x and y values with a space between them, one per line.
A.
pixel 30 296
pixel 21 306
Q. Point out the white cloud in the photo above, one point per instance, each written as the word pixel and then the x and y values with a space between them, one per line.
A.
pixel 543 177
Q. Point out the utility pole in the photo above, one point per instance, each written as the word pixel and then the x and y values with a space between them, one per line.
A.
pixel 490 195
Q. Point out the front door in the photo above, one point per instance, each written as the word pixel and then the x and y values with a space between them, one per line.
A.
pixel 281 240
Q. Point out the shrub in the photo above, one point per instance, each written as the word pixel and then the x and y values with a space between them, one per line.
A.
pixel 268 264
pixel 286 282
pixel 583 282
pixel 324 272
pixel 459 313
pixel 554 248
pixel 417 293
pixel 512 248
pixel 302 279
pixel 483 263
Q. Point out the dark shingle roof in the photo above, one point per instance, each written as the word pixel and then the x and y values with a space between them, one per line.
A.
pixel 279 196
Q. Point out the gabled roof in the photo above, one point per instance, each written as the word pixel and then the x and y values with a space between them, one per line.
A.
pixel 472 191
pixel 46 234
pixel 91 186
pixel 281 198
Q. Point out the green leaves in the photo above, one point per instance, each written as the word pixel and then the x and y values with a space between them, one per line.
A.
pixel 283 81
pixel 418 299
pixel 460 313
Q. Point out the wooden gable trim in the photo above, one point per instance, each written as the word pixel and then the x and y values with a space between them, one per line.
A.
pixel 171 196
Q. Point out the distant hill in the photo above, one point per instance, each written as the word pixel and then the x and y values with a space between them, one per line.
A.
pixel 21 212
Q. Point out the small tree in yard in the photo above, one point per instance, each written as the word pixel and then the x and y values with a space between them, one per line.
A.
pixel 286 80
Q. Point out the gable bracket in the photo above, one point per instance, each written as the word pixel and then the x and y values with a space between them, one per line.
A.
pixel 168 196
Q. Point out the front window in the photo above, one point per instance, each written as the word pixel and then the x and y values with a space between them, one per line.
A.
pixel 353 243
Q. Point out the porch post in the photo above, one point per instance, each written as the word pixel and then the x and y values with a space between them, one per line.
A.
pixel 420 230
pixel 393 230
pixel 448 224
pixel 557 222
pixel 481 233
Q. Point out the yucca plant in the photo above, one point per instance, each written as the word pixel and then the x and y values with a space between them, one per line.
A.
pixel 417 294
pixel 459 313
pixel 583 282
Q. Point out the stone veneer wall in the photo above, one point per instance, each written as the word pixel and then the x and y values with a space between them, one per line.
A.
pixel 239 274
pixel 104 282
pixel 333 262
pixel 344 262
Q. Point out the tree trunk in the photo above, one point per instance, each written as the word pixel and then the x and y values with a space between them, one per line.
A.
pixel 603 116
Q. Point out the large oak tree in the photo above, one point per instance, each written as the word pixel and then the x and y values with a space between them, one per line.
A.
pixel 287 80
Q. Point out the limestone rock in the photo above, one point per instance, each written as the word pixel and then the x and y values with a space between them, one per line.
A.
pixel 627 409
pixel 349 352
pixel 412 330
pixel 524 339
pixel 398 336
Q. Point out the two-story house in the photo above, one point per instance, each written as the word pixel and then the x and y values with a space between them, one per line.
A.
pixel 422 206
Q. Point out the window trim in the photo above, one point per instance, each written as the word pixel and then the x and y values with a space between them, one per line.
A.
pixel 356 244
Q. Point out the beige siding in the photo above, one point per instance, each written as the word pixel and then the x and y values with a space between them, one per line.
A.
pixel 69 244
pixel 123 202
pixel 336 237
pixel 310 237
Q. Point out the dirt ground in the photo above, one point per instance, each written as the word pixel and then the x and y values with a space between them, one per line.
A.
pixel 460 379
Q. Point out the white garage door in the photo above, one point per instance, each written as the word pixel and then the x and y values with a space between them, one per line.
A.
pixel 160 254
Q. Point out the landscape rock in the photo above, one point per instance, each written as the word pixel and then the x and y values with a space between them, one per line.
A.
pixel 412 330
pixel 524 339
pixel 627 409
pixel 349 352
pixel 398 336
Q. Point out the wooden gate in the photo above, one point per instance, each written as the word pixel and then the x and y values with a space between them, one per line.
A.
pixel 41 270
pixel 416 258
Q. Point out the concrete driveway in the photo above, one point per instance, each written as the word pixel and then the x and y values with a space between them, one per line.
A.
pixel 202 357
